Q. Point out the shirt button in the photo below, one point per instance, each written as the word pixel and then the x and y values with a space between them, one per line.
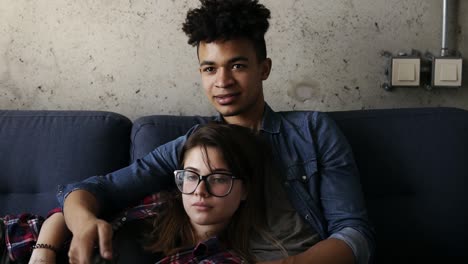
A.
pixel 307 217
pixel 124 219
pixel 304 178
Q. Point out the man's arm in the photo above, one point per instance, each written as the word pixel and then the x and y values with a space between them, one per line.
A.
pixel 119 189
pixel 80 210
pixel 341 193
pixel 84 202
pixel 350 236
pixel 328 251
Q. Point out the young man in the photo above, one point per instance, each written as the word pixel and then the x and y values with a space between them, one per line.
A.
pixel 315 205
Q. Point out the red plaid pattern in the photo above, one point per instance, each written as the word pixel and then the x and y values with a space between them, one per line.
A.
pixel 21 232
pixel 210 251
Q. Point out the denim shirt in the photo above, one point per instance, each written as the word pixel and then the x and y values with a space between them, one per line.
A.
pixel 319 175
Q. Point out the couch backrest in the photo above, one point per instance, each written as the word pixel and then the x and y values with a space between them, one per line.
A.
pixel 148 132
pixel 414 171
pixel 41 149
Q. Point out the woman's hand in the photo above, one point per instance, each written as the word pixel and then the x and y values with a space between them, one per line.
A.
pixel 43 256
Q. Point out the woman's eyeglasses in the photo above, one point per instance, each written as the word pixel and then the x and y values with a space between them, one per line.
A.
pixel 218 184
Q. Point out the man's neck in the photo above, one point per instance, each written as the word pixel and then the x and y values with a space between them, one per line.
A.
pixel 250 123
pixel 253 121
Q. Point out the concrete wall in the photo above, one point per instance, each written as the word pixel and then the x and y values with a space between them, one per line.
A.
pixel 131 56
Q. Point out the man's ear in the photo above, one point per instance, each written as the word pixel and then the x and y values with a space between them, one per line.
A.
pixel 266 68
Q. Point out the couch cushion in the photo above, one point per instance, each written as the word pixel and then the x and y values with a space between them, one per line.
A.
pixel 414 172
pixel 41 149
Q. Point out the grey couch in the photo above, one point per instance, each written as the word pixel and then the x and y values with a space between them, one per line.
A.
pixel 413 165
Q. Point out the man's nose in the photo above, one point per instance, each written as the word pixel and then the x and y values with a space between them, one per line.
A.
pixel 201 189
pixel 224 78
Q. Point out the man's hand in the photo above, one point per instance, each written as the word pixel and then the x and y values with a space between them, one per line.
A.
pixel 83 242
pixel 80 210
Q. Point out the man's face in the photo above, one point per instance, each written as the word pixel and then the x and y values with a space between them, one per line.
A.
pixel 232 77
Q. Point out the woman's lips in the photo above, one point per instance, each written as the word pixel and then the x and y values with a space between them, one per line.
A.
pixel 226 99
pixel 202 206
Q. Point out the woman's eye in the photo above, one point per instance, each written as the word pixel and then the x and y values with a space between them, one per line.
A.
pixel 191 178
pixel 219 180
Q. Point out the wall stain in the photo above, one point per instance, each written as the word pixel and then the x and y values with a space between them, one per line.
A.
pixel 349 4
pixel 377 27
pixel 339 98
pixel 6 81
pixel 54 56
pixel 304 91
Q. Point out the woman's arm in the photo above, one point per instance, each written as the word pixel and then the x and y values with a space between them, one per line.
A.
pixel 53 233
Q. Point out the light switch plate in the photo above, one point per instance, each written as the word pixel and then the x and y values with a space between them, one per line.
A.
pixel 447 72
pixel 406 71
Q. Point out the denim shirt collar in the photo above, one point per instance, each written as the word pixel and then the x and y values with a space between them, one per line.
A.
pixel 271 122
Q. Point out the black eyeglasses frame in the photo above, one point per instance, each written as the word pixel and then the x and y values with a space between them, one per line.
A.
pixel 204 178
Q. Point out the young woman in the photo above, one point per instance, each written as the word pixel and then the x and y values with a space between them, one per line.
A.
pixel 217 206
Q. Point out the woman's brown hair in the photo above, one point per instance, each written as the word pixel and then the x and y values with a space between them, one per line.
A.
pixel 247 157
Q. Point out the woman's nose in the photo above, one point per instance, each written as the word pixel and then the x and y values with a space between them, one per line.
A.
pixel 201 189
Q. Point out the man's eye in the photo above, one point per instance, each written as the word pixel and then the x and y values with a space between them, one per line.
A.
pixel 238 66
pixel 208 69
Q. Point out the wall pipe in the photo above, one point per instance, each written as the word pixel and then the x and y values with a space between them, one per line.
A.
pixel 449 23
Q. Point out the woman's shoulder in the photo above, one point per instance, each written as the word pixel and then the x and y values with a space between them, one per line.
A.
pixel 147 207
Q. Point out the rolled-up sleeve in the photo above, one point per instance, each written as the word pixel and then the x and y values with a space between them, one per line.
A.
pixel 357 242
pixel 341 192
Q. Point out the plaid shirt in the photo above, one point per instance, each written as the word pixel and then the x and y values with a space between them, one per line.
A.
pixel 210 251
pixel 21 233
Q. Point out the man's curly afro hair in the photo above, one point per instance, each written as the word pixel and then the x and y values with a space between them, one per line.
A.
pixel 226 20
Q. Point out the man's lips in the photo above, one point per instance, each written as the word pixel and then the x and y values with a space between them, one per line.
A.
pixel 226 98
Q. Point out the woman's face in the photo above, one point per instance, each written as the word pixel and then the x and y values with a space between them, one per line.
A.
pixel 209 214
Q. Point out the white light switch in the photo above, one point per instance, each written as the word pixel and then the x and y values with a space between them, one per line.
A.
pixel 406 71
pixel 447 72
